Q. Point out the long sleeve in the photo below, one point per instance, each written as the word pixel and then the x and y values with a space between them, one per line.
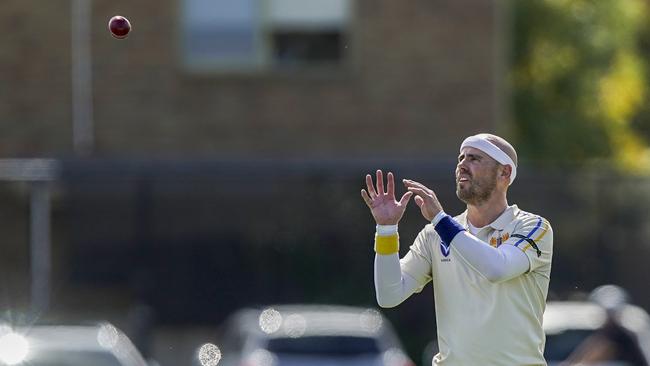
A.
pixel 496 264
pixel 395 279
pixel 392 286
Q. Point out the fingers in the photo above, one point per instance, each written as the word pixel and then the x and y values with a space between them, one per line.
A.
pixel 390 185
pixel 419 201
pixel 405 198
pixel 371 187
pixel 373 191
pixel 380 182
pixel 420 191
pixel 411 183
pixel 366 198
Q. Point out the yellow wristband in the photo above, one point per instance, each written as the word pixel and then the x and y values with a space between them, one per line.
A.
pixel 387 244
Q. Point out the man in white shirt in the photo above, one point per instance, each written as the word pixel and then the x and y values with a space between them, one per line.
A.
pixel 490 266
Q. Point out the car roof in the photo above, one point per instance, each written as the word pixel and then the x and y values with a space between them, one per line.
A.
pixel 100 338
pixel 562 315
pixel 69 337
pixel 62 337
pixel 315 320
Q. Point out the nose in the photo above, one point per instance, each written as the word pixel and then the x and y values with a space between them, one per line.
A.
pixel 460 170
pixel 461 167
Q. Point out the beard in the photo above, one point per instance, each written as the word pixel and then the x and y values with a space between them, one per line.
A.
pixel 477 190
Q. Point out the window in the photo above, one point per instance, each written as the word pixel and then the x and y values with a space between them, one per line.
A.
pixel 256 35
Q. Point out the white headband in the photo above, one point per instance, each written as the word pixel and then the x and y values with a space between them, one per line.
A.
pixel 492 150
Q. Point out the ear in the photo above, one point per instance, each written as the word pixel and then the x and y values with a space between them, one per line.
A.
pixel 506 172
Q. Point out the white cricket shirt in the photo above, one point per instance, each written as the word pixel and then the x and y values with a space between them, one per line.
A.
pixel 482 322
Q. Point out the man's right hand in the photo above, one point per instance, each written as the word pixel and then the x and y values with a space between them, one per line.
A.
pixel 383 206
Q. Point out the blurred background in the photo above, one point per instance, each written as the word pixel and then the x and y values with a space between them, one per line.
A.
pixel 213 159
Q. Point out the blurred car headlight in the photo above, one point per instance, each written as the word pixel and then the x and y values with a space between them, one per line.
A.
pixel 13 348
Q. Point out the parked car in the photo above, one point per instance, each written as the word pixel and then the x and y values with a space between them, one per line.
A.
pixel 67 345
pixel 306 335
pixel 568 323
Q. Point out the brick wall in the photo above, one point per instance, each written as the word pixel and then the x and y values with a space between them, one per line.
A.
pixel 419 77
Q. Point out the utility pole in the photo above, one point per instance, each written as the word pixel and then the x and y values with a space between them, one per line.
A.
pixel 81 71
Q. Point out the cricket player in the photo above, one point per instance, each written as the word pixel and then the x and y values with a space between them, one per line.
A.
pixel 490 266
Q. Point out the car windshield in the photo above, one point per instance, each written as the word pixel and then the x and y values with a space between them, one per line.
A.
pixel 324 345
pixel 559 346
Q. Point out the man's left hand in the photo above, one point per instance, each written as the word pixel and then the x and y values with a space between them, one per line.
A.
pixel 425 198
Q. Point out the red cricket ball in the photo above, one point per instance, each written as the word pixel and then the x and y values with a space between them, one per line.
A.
pixel 119 26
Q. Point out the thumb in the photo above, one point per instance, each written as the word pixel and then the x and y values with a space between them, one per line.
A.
pixel 419 201
pixel 405 198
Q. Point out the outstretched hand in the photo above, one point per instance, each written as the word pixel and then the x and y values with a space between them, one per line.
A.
pixel 384 207
pixel 425 198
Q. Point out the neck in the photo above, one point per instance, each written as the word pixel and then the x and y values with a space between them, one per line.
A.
pixel 486 212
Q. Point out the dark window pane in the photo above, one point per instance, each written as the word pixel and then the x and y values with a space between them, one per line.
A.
pixel 307 47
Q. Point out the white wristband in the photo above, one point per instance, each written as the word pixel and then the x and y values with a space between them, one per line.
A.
pixel 438 217
pixel 385 230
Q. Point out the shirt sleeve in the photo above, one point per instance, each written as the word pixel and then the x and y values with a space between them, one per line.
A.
pixel 534 237
pixel 396 280
pixel 495 264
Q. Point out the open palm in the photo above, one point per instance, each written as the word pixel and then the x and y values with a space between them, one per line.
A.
pixel 384 207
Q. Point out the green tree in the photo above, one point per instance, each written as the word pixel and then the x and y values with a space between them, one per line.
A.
pixel 578 80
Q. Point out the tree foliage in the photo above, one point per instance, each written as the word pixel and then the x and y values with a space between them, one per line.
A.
pixel 579 84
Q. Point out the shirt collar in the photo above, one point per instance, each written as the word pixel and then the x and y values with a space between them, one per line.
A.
pixel 500 223
pixel 505 218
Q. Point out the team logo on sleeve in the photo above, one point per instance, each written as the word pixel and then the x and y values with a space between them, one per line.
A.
pixel 532 243
pixel 445 249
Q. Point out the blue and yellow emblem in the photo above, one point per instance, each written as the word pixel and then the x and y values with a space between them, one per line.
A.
pixel 497 241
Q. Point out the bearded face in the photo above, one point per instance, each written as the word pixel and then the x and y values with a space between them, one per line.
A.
pixel 476 187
